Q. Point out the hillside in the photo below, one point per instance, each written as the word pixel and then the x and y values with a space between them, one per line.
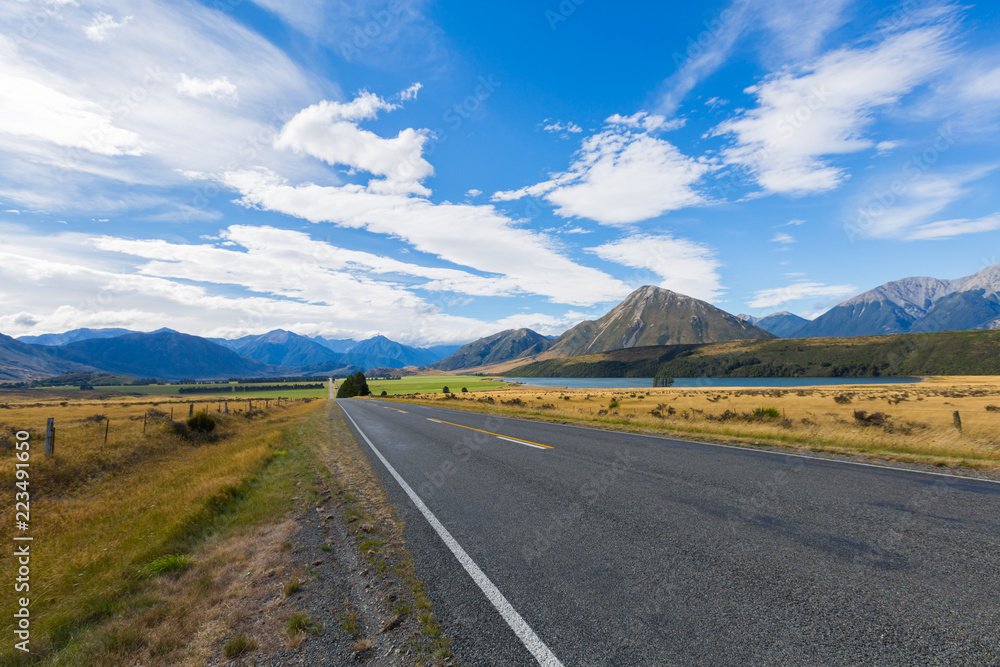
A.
pixel 940 353
pixel 169 356
pixel 655 316
pixel 21 362
pixel 498 348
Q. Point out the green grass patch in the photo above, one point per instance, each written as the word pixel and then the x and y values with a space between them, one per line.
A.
pixel 433 384
pixel 301 622
pixel 292 587
pixel 238 646
pixel 170 564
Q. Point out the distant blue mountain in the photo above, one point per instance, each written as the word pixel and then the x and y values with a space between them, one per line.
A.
pixel 168 355
pixel 336 344
pixel 379 351
pixel 284 348
pixel 80 334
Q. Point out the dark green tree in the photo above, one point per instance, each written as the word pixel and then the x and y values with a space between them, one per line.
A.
pixel 354 385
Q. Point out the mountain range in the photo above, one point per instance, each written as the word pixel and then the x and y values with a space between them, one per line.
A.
pixel 915 305
pixel 650 316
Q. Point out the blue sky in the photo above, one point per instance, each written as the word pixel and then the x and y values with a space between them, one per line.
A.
pixel 436 172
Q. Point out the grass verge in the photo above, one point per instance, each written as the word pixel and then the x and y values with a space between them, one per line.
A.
pixel 106 543
pixel 378 533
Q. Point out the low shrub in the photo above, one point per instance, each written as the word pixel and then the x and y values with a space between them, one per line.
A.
pixel 201 422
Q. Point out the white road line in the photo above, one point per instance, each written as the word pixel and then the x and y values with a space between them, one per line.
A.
pixel 523 631
pixel 520 442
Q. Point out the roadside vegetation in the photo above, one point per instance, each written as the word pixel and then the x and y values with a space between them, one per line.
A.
pixel 177 545
pixel 912 423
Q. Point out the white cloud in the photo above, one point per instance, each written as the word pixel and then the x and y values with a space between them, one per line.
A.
pixel 558 126
pixel 783 238
pixel 102 26
pixel 822 108
pixel 328 131
pixel 35 111
pixel 220 88
pixel 885 147
pixel 946 229
pixel 251 280
pixel 622 175
pixel 782 30
pixel 680 265
pixel 292 264
pixel 903 207
pixel 794 223
pixel 474 192
pixel 698 61
pixel 777 296
pixel 102 127
pixel 478 237
pixel 376 32
pixel 411 92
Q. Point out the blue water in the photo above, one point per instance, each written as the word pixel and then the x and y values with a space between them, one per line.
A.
pixel 632 383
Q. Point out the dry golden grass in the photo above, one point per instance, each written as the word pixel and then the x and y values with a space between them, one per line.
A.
pixel 100 513
pixel 920 427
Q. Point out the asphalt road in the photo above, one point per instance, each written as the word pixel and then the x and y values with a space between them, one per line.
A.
pixel 620 549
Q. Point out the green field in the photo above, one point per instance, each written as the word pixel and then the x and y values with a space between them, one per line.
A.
pixel 434 384
pixel 406 385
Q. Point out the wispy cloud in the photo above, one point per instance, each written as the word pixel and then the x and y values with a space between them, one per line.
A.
pixel 823 108
pixel 946 229
pixel 103 25
pixel 769 298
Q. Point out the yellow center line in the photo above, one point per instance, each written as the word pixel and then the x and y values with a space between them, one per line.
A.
pixel 396 409
pixel 503 437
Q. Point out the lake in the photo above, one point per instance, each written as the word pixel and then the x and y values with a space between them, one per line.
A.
pixel 634 383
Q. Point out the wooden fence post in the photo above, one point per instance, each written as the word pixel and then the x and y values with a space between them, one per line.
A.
pixel 227 407
pixel 50 436
pixel 190 409
pixel 171 413
pixel 107 427
pixel 144 420
pixel 957 420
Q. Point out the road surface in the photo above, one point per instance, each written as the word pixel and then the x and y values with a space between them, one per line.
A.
pixel 552 544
